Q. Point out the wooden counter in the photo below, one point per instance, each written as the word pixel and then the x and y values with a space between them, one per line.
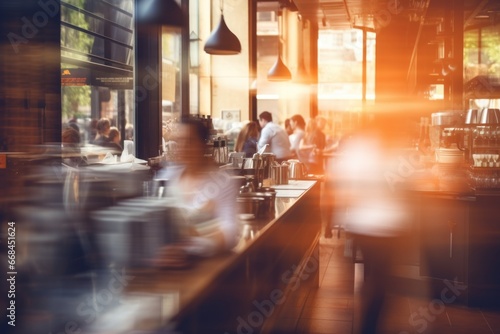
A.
pixel 260 285
pixel 460 242
pixel 454 240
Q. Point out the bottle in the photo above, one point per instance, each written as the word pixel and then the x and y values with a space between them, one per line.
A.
pixel 427 138
pixel 424 142
pixel 216 152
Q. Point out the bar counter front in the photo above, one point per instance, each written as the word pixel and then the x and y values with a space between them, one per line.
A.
pixel 259 286
pixel 85 236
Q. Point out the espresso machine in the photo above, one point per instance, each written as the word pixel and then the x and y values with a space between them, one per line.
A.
pixel 483 143
pixel 448 137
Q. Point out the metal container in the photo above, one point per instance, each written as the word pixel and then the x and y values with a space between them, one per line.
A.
pixel 297 170
pixel 250 205
pixel 472 116
pixel 490 116
pixel 284 173
pixel 447 118
pixel 279 173
pixel 267 164
pixel 261 204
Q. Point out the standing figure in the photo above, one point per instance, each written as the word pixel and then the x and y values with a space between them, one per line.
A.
pixel 288 127
pixel 205 196
pixel 247 139
pixel 298 125
pixel 103 127
pixel 115 138
pixel 275 136
pixel 311 147
pixel 377 211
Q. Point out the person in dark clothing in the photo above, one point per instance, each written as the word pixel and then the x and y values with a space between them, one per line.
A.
pixel 377 210
pixel 311 147
pixel 103 127
pixel 114 137
pixel 247 139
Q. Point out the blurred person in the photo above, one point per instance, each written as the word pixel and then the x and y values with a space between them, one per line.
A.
pixel 70 143
pixel 70 137
pixel 74 124
pixel 247 139
pixel 377 211
pixel 115 138
pixel 54 259
pixel 288 127
pixel 103 126
pixel 129 132
pixel 311 148
pixel 297 124
pixel 92 130
pixel 275 136
pixel 320 123
pixel 206 196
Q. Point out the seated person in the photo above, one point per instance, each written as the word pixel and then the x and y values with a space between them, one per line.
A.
pixel 103 127
pixel 247 139
pixel 206 195
pixel 311 148
pixel 114 137
pixel 70 143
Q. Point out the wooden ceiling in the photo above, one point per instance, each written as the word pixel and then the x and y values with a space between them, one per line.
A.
pixel 372 14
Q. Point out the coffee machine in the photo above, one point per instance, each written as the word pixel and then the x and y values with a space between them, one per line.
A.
pixel 447 133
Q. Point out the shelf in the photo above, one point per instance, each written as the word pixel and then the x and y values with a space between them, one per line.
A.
pixel 489 147
pixel 484 169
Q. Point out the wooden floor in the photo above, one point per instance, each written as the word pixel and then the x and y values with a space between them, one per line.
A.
pixel 333 308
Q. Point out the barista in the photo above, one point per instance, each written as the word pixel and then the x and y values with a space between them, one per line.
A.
pixel 204 193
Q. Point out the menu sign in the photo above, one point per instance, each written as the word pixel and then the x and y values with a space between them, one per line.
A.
pixel 86 77
pixel 75 77
pixel 111 80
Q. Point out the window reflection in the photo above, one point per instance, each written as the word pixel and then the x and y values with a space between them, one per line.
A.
pixel 171 79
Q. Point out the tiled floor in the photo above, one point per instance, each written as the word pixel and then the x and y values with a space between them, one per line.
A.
pixel 332 309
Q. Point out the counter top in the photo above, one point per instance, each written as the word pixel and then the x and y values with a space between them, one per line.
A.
pixel 181 290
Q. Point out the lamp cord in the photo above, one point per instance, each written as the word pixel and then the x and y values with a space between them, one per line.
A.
pixel 221 5
pixel 280 23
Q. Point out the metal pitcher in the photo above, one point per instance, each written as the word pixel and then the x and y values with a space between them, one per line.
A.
pixel 297 170
pixel 279 173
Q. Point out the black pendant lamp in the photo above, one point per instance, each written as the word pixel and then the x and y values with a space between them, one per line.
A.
pixel 279 71
pixel 222 41
pixel 160 12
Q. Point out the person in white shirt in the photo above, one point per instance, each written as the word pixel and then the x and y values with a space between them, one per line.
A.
pixel 205 196
pixel 376 210
pixel 275 136
pixel 298 125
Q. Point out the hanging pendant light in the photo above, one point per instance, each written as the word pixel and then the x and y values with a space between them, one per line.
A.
pixel 279 71
pixel 160 12
pixel 222 41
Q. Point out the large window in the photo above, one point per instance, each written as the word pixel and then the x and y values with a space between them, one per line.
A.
pixel 340 60
pixel 171 79
pixel 340 76
pixel 97 57
pixel 482 67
